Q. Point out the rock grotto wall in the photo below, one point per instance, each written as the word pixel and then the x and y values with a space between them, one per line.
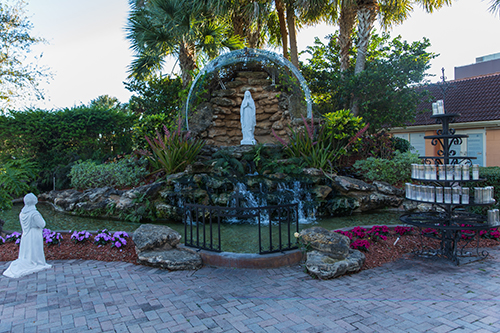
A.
pixel 218 121
pixel 327 196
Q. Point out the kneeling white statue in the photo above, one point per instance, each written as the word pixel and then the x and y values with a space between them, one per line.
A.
pixel 247 117
pixel 31 256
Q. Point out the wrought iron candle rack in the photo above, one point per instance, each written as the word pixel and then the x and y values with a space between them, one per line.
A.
pixel 449 223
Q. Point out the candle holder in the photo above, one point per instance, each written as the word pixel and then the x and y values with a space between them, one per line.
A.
pixel 465 172
pixel 433 172
pixel 478 195
pixel 421 172
pixel 439 194
pixel 493 218
pixel 475 172
pixel 440 106
pixel 458 172
pixel 414 171
pixel 447 195
pixel 449 172
pixel 442 172
pixel 419 193
pixel 427 169
pixel 456 195
pixel 465 195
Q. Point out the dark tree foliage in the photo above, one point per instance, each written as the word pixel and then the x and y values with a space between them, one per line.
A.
pixel 19 75
pixel 159 101
pixel 157 95
pixel 55 139
pixel 387 97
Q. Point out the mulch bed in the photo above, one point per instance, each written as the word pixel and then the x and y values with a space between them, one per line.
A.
pixel 379 253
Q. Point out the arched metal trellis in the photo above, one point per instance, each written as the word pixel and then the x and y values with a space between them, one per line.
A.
pixel 246 55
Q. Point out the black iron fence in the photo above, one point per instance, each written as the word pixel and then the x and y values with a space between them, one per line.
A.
pixel 271 227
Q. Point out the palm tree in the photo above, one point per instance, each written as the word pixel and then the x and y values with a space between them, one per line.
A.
pixel 495 6
pixel 183 28
pixel 304 12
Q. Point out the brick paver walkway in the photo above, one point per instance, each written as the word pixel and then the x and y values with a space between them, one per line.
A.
pixel 406 296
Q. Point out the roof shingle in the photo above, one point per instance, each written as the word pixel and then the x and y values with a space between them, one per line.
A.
pixel 475 99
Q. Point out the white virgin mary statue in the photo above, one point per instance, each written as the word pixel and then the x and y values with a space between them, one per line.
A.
pixel 31 257
pixel 247 116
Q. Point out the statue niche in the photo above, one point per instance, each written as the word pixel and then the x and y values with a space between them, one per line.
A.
pixel 247 119
pixel 219 122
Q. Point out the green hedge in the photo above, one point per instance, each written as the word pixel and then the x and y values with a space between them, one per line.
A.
pixel 55 139
pixel 123 173
pixel 394 171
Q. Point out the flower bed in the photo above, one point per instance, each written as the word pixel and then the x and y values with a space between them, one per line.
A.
pixel 103 246
pixel 82 245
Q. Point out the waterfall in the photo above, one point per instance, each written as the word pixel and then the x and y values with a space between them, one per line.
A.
pixel 285 194
pixel 299 195
pixel 243 195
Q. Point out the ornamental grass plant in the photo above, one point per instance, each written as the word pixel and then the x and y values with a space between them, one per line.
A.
pixel 173 151
pixel 321 146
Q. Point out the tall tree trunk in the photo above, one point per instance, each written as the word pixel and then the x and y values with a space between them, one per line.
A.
pixel 283 30
pixel 187 63
pixel 366 19
pixel 238 22
pixel 346 25
pixel 292 34
pixel 367 13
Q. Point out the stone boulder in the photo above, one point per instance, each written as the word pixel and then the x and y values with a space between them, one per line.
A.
pixel 158 237
pixel 368 196
pixel 326 267
pixel 175 259
pixel 330 255
pixel 156 245
pixel 347 184
pixel 332 243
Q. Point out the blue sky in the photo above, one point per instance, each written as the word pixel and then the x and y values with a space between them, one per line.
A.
pixel 88 54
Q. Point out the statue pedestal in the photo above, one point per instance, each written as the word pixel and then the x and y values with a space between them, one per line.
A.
pixel 248 142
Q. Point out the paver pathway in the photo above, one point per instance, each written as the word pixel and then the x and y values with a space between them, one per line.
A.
pixel 406 296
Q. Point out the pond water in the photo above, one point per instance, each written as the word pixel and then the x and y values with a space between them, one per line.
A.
pixel 231 234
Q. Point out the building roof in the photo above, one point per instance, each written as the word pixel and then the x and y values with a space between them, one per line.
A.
pixel 475 99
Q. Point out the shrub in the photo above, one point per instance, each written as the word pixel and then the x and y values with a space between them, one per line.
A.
pixel 345 233
pixel 400 144
pixel 492 233
pixel 55 138
pixel 103 237
pixel 378 232
pixel 320 146
pixel 51 237
pixel 13 237
pixel 118 239
pixel 148 125
pixel 394 171
pixel 378 145
pixel 403 230
pixel 430 232
pixel 123 173
pixel 80 236
pixel 359 232
pixel 15 178
pixel 360 244
pixel 174 151
pixel 341 126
